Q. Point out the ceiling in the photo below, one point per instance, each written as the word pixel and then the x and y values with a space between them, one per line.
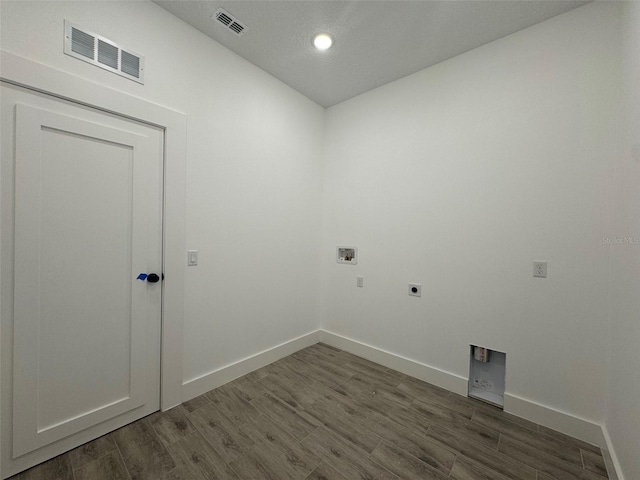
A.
pixel 376 42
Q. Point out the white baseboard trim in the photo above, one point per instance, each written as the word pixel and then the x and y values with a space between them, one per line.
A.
pixel 563 422
pixel 610 458
pixel 435 376
pixel 198 386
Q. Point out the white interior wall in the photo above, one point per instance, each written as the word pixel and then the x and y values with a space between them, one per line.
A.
pixel 253 170
pixel 459 177
pixel 622 419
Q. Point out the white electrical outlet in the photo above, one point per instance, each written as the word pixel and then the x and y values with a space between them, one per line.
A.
pixel 415 289
pixel 540 269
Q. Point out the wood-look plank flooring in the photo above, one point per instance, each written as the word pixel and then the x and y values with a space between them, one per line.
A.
pixel 324 414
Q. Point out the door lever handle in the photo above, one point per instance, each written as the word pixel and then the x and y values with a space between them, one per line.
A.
pixel 153 278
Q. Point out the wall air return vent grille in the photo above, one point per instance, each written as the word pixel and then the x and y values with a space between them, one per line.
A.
pixel 229 21
pixel 130 64
pixel 107 54
pixel 102 52
pixel 82 43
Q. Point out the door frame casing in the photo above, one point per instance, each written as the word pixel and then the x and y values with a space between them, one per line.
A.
pixel 40 78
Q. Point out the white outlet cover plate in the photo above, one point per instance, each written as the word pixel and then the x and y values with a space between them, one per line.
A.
pixel 540 269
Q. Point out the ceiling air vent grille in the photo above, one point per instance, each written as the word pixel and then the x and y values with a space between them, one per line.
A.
pixel 224 18
pixel 229 21
pixel 236 27
pixel 102 53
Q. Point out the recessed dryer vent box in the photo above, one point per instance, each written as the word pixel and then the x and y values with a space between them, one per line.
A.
pixel 487 375
pixel 348 255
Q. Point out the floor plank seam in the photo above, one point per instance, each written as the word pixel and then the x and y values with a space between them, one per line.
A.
pixel 126 469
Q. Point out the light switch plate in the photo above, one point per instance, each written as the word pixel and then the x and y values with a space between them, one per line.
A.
pixel 192 258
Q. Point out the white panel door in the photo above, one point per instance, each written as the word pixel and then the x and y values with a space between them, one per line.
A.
pixel 87 214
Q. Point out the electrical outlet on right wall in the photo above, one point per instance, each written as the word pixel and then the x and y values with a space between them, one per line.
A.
pixel 540 269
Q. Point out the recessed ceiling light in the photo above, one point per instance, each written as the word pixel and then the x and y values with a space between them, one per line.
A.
pixel 322 41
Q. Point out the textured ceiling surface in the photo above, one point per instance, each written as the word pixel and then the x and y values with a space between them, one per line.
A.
pixel 375 42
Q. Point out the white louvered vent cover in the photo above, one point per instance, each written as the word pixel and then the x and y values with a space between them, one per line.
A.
pixel 229 21
pixel 103 53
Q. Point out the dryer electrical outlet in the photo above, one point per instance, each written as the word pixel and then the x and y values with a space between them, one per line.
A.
pixel 415 289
